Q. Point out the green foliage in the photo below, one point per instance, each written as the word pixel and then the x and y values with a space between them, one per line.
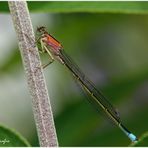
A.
pixel 4 7
pixel 94 7
pixel 9 137
pixel 142 141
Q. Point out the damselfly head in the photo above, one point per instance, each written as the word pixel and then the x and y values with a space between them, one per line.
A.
pixel 41 30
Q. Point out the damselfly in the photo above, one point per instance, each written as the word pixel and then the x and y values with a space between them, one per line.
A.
pixel 55 50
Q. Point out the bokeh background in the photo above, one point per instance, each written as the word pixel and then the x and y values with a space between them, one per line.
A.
pixel 110 48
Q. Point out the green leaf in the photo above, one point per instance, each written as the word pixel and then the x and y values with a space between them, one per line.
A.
pixel 93 7
pixel 101 7
pixel 9 137
pixel 143 140
pixel 4 7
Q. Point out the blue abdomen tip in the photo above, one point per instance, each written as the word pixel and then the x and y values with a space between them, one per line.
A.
pixel 133 137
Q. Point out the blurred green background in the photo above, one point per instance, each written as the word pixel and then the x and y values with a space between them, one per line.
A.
pixel 109 42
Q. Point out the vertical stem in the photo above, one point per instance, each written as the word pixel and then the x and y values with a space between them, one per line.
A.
pixel 36 82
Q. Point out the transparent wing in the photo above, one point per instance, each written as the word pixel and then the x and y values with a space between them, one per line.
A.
pixel 97 96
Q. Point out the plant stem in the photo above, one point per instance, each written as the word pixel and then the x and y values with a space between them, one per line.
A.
pixel 36 82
